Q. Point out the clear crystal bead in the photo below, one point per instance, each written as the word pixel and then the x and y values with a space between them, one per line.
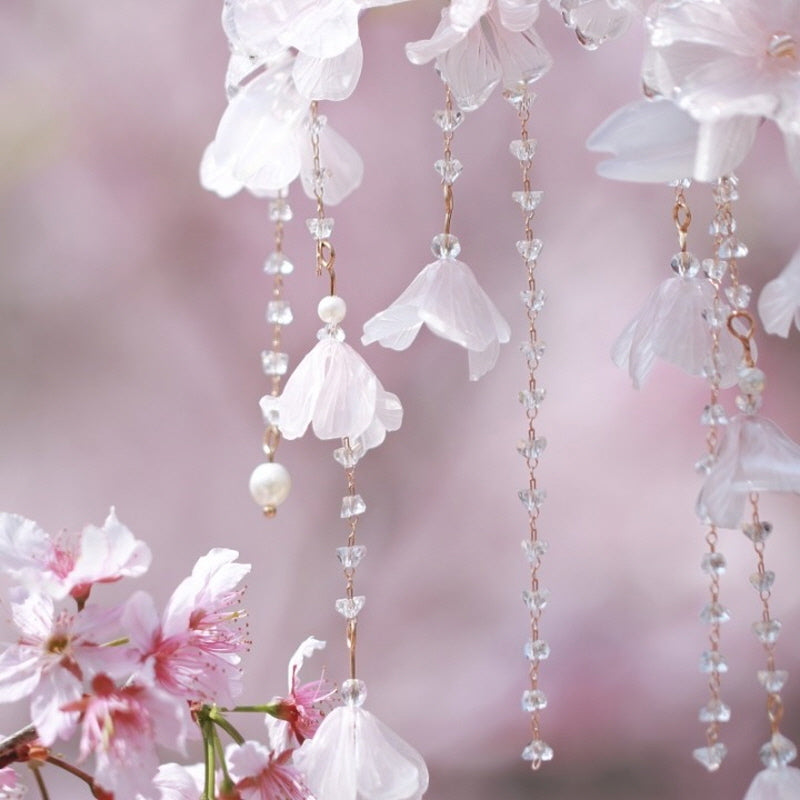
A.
pixel 350 557
pixel 534 550
pixel 449 169
pixel 533 300
pixel 279 312
pixel 352 506
pixel 748 403
pixel 519 94
pixel 713 415
pixel 711 757
pixel 751 380
pixel 317 123
pixel 739 296
pixel 533 352
pixel 762 581
pixel 713 661
pixel 533 700
pixel 331 332
pixel 704 464
pixel 532 499
pixel 685 264
pixel 731 247
pixel 529 249
pixel 348 457
pixel 715 268
pixel 274 363
pixel 532 400
pixel 350 607
pixel 767 632
pixel 773 680
pixel 716 317
pixel 536 601
pixel 714 613
pixel 714 711
pixel 538 650
pixel 445 245
pixel 538 750
pixel 523 149
pixel 448 119
pixel 725 192
pixel 278 264
pixel 722 226
pixel 778 752
pixel 528 201
pixel 353 692
pixel 757 532
pixel 320 228
pixel 532 448
pixel 713 564
pixel 280 210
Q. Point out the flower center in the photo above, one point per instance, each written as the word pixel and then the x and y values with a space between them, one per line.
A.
pixel 58 643
pixel 781 45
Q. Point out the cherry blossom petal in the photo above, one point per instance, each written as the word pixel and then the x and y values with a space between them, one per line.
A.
pixel 779 301
pixel 328 78
pixel 58 688
pixel 23 544
pixel 306 649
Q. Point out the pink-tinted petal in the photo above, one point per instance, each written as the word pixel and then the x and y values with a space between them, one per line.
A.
pixel 523 57
pixel 775 783
pixel 518 15
pixel 464 14
pixel 470 69
pixel 57 688
pixel 444 37
pixel 342 163
pixel 306 649
pixel 328 78
pixel 779 302
pixel 322 28
pixel 397 326
pixel 723 145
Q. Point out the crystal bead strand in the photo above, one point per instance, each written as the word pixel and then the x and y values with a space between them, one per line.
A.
pixel 270 482
pixel 535 597
pixel 712 662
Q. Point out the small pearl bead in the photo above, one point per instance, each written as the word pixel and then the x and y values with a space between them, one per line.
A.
pixel 331 309
pixel 269 485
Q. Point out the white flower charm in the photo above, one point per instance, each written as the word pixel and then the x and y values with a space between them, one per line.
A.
pixel 729 65
pixel 334 390
pixel 779 301
pixel 754 455
pixel 479 43
pixel 597 21
pixel 447 298
pixel 671 326
pixel 354 756
pixel 775 783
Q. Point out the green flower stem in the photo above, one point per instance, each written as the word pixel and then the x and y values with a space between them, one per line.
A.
pixel 207 728
pixel 269 708
pixel 216 717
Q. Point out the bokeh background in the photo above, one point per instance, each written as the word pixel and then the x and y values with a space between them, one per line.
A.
pixel 131 327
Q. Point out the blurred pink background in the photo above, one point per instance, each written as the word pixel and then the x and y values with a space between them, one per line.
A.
pixel 133 319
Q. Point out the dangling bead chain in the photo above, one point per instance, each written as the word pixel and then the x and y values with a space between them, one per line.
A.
pixel 535 597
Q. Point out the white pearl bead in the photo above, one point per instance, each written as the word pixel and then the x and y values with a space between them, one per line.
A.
pixel 331 309
pixel 269 485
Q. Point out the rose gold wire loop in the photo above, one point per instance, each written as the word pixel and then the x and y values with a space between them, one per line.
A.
pixel 745 337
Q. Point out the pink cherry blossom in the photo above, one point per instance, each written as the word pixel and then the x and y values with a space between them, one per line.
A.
pixel 261 774
pixel 121 727
pixel 10 787
pixel 55 651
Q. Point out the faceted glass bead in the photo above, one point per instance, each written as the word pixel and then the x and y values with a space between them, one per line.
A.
pixel 714 711
pixel 778 752
pixel 348 457
pixel 714 415
pixel 739 296
pixel 767 632
pixel 532 499
pixel 533 352
pixel 722 226
pixel 528 201
pixel 533 300
pixel 716 317
pixel 762 581
pixel 685 264
pixel 538 650
pixel 529 249
pixel 523 149
pixel 535 601
pixel 757 532
pixel 533 700
pixel 713 661
pixel 715 268
pixel 279 312
pixel 350 557
pixel 731 247
pixel 714 564
pixel 352 506
pixel 704 464
pixel 449 169
pixel 274 363
pixel 445 245
pixel 538 750
pixel 317 123
pixel 773 680
pixel 534 550
pixel 711 757
pixel 332 331
pixel 353 692
pixel 350 607
pixel 748 403
pixel 751 380
pixel 448 120
pixel 714 613
pixel 725 190
pixel 280 210
pixel 320 228
pixel 532 448
pixel 278 264
pixel 532 400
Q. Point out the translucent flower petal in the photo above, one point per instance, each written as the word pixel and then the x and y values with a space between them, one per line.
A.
pixel 444 37
pixel 342 163
pixel 754 455
pixel 388 417
pixel 354 756
pixel 522 55
pixel 471 70
pixel 596 21
pixel 777 783
pixel 321 28
pixel 466 13
pixel 723 145
pixel 328 78
pixel 779 302
pixel 518 15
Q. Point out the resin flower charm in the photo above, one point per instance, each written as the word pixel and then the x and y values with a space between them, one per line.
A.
pixel 779 301
pixel 775 783
pixel 597 21
pixel 354 756
pixel 754 455
pixel 447 298
pixel 334 390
